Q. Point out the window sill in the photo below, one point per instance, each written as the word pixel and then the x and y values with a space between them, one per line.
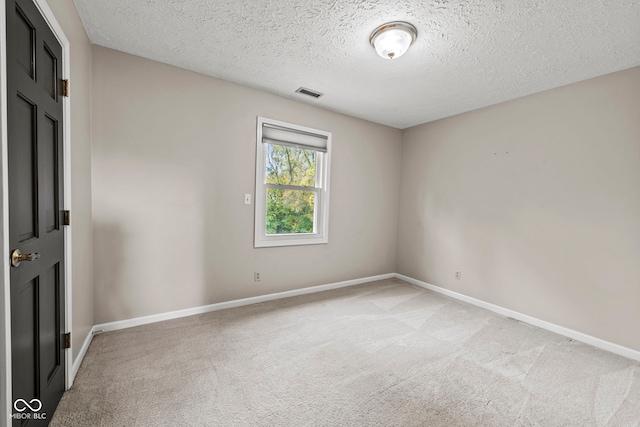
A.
pixel 288 241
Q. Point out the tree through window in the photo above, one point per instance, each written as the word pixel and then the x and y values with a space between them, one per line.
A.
pixel 290 210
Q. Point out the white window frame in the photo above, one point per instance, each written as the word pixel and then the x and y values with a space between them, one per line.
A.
pixel 320 233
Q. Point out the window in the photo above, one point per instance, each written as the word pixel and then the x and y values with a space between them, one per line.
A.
pixel 292 184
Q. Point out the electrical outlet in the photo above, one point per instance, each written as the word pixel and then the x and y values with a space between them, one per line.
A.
pixel 256 277
pixel 458 275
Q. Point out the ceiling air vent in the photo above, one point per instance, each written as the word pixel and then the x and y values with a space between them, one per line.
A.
pixel 305 91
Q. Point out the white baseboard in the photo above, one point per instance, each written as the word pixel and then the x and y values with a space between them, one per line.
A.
pixel 561 330
pixel 77 361
pixel 129 323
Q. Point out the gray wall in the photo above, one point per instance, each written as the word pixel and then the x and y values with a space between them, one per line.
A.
pixel 173 155
pixel 82 232
pixel 537 202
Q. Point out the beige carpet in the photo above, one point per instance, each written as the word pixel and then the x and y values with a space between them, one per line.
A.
pixel 381 354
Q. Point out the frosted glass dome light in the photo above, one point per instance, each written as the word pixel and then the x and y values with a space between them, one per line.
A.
pixel 391 40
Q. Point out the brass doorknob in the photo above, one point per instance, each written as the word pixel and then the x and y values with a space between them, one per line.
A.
pixel 17 257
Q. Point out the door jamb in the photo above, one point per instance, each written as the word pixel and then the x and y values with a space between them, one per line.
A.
pixel 5 293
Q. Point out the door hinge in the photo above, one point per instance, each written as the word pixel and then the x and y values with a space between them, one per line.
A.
pixel 65 88
pixel 67 340
pixel 66 217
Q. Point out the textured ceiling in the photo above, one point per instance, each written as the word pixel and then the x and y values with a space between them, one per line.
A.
pixel 468 54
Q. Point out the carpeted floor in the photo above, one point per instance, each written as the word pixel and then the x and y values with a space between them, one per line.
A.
pixel 380 354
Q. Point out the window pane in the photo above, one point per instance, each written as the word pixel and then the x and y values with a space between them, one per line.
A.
pixel 290 211
pixel 291 166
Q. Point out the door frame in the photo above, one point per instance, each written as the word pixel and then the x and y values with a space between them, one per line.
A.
pixel 6 404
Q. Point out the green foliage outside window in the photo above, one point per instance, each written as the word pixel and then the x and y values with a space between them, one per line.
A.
pixel 290 211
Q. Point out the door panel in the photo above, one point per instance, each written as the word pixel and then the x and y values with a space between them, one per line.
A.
pixel 49 71
pixel 35 117
pixel 49 324
pixel 23 342
pixel 24 184
pixel 25 44
pixel 49 162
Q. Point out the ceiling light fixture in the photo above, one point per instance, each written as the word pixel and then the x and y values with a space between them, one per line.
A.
pixel 391 40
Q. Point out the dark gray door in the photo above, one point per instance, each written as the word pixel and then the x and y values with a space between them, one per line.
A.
pixel 35 117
